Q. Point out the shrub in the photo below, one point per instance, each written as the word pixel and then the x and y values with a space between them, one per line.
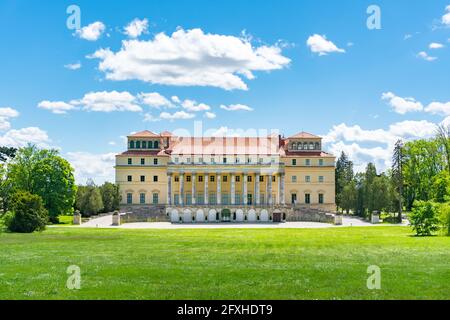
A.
pixel 423 218
pixel 28 213
pixel 444 217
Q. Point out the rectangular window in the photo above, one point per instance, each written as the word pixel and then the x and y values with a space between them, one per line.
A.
pixel 177 160
pixel 200 178
pixel 237 199
pixel 307 198
pixel 142 178
pixel 224 160
pixel 142 198
pixel 155 161
pixel 249 160
pixel 261 178
pixel 176 199
pixel 188 198
pixel 308 179
pixel 321 198
pixel 225 198
pixel 200 160
pixel 129 198
pixel 249 178
pixel 294 178
pixel 155 178
pixel 130 178
pixel 294 162
pixel 188 160
pixel 249 199
pixel 320 162
pixel 261 198
pixel 320 179
pixel 142 161
pixel 130 161
pixel 213 160
pixel 260 160
pixel 177 179
pixel 273 160
pixel 294 198
pixel 308 162
pixel 274 179
pixel 212 198
pixel 200 199
pixel 225 178
pixel 155 198
pixel 238 178
pixel 237 160
pixel 188 178
pixel 212 178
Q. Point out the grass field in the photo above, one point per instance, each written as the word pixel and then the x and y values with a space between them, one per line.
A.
pixel 224 264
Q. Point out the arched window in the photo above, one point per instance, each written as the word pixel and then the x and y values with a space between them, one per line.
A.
pixel 150 144
pixel 317 146
pixel 131 144
pixel 156 145
pixel 294 146
pixel 311 146
pixel 305 146
pixel 138 144
pixel 144 144
pixel 300 146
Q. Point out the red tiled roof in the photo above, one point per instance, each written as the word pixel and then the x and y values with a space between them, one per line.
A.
pixel 143 153
pixel 304 135
pixel 225 145
pixel 166 134
pixel 145 134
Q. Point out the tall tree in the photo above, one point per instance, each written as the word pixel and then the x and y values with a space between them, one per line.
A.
pixel 443 138
pixel 45 173
pixel 343 176
pixel 397 175
pixel 110 196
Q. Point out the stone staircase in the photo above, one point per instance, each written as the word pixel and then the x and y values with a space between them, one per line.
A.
pixel 310 214
pixel 144 214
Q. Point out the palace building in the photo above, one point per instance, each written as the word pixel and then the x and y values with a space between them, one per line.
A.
pixel 192 179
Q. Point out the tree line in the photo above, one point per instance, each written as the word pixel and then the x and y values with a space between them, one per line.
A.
pixel 419 178
pixel 38 185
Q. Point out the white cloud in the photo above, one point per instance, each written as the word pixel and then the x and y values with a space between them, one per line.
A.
pixel 57 107
pixel 402 105
pixel 446 17
pixel 6 114
pixel 179 115
pixel 150 118
pixel 193 106
pixel 236 107
pixel 99 167
pixel 407 36
pixel 175 99
pixel 423 55
pixel 435 45
pixel 190 58
pixel 91 32
pixel 112 143
pixel 73 66
pixel 21 137
pixel 108 102
pixel 155 100
pixel 136 27
pixel 439 108
pixel 350 139
pixel 210 115
pixel 319 44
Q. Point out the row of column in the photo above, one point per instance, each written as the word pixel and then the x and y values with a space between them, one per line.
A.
pixel 281 189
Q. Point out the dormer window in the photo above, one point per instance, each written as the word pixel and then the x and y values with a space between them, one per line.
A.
pixel 131 144
pixel 144 144
pixel 294 146
pixel 138 144
pixel 156 145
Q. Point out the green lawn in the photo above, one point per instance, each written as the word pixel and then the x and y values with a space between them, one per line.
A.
pixel 224 264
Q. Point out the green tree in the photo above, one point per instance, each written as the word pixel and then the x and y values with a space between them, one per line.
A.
pixel 343 176
pixel 444 217
pixel 45 173
pixel 349 197
pixel 28 213
pixel 441 186
pixel 423 218
pixel 89 200
pixel 397 176
pixel 110 196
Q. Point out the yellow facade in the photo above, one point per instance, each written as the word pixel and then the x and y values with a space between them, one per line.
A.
pixel 166 174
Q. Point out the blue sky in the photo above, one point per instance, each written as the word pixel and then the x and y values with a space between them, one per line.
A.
pixel 286 65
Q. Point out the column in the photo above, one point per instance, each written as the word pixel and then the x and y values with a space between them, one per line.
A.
pixel 169 189
pixel 282 198
pixel 206 181
pixel 181 189
pixel 257 187
pixel 194 194
pixel 244 189
pixel 219 188
pixel 269 190
pixel 233 188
